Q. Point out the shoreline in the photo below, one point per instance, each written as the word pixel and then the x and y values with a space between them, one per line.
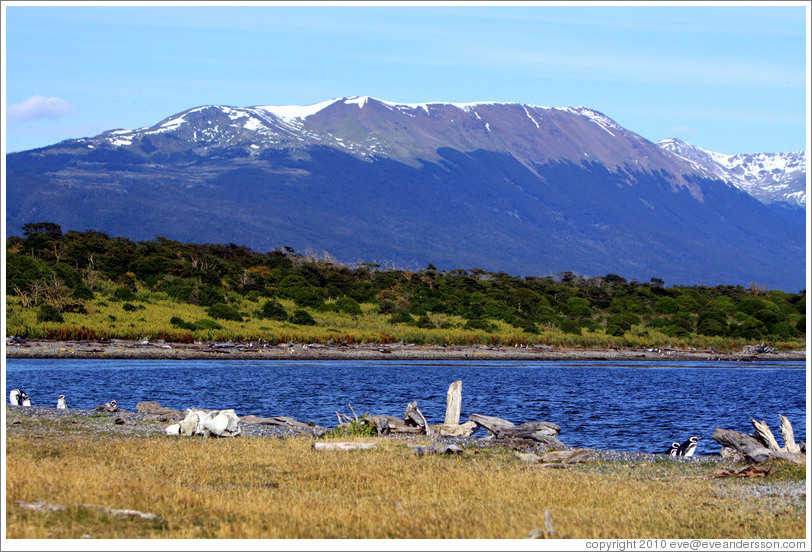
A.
pixel 150 425
pixel 119 349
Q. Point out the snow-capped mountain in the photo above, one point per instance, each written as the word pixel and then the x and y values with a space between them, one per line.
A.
pixel 769 177
pixel 524 189
pixel 369 128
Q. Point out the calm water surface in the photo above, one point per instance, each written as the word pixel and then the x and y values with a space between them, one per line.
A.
pixel 640 406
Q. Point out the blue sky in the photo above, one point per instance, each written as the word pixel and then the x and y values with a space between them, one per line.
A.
pixel 730 78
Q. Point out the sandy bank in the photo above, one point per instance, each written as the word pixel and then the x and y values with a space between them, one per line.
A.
pixel 121 349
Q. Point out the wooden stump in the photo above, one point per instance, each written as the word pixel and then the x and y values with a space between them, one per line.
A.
pixel 453 404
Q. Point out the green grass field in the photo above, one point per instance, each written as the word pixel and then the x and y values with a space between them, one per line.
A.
pixel 149 315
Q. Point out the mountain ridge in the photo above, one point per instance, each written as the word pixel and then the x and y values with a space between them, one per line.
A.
pixel 511 187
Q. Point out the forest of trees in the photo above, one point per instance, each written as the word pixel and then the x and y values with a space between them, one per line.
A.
pixel 58 273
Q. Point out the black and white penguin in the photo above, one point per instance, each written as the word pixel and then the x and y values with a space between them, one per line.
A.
pixel 14 397
pixel 688 448
pixel 25 401
pixel 61 404
pixel 673 450
pixel 107 407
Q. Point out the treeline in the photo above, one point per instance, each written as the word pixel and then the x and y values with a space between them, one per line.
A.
pixel 58 273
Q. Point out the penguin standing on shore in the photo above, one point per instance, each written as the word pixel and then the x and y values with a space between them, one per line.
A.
pixel 688 448
pixel 25 401
pixel 673 450
pixel 111 406
pixel 14 397
pixel 61 404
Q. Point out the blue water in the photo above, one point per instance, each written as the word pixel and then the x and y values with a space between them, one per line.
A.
pixel 639 406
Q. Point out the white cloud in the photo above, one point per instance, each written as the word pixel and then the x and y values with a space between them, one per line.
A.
pixel 38 107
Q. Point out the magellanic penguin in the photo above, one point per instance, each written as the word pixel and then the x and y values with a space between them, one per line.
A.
pixel 25 400
pixel 60 403
pixel 14 397
pixel 688 448
pixel 107 407
pixel 673 450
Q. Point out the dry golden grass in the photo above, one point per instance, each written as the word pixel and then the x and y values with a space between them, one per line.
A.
pixel 270 488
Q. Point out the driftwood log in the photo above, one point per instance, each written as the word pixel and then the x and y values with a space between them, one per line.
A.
pixel 505 430
pixel 459 430
pixel 761 446
pixel 453 404
pixel 342 446
pixel 413 416
pixel 788 435
pixel 286 421
pixel 384 424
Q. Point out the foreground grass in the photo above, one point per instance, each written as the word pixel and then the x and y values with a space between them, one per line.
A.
pixel 270 488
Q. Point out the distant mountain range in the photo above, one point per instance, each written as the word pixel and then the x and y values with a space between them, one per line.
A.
pixel 769 177
pixel 524 189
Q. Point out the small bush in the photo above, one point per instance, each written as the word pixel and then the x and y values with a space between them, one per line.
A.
pixel 302 318
pixel 206 324
pixel 49 313
pixel 124 294
pixel 401 317
pixel 348 305
pixel 224 312
pixel 272 311
pixel 480 324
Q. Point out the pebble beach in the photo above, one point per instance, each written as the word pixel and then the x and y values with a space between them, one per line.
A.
pixel 122 349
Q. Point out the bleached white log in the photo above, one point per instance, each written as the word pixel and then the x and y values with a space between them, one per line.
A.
pixel 453 404
pixel 789 436
pixel 765 434
pixel 342 446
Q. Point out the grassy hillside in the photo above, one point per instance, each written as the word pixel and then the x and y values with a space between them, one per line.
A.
pixel 87 285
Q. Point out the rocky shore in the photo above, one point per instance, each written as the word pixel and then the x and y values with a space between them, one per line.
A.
pixel 122 349
pixel 44 421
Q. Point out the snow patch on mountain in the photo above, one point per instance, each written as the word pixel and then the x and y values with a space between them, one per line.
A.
pixel 290 112
pixel 769 177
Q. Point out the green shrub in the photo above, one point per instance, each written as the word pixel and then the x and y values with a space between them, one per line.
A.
pixel 666 305
pixel 49 313
pixel 178 322
pixel 577 307
pixel 302 318
pixel 711 326
pixel 348 305
pixel 206 324
pixel 567 325
pixel 224 312
pixel 272 310
pixel 401 317
pixel 480 324
pixel 621 323
pixel 124 294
